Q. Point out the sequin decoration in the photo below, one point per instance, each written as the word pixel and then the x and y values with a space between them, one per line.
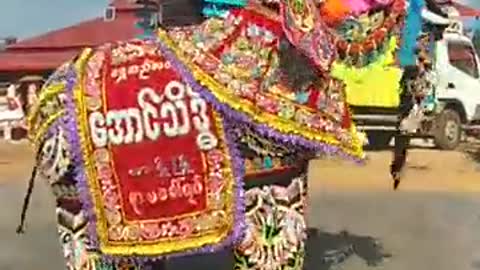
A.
pixel 243 72
pixel 263 156
pixel 150 197
pixel 50 105
pixel 361 39
pixel 306 31
pixel 276 228
pixel 72 222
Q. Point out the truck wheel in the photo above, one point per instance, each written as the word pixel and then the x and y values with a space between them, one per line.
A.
pixel 448 130
pixel 378 140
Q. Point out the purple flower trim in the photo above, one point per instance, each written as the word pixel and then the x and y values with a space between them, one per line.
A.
pixel 53 129
pixel 69 123
pixel 237 116
pixel 239 174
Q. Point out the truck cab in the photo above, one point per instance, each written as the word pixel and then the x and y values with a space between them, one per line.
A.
pixel 457 89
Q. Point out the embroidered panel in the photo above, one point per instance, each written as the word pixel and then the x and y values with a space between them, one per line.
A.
pixel 159 173
pixel 363 36
pixel 237 61
pixel 265 157
pixel 276 227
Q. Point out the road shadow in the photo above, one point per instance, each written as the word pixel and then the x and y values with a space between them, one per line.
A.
pixel 325 251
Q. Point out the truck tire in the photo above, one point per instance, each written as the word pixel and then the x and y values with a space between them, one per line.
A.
pixel 378 140
pixel 448 130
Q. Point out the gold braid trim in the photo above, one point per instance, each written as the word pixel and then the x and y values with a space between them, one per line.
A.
pixel 126 248
pixel 353 148
pixel 37 126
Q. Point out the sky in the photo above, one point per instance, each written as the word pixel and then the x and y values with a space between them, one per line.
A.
pixel 472 3
pixel 27 18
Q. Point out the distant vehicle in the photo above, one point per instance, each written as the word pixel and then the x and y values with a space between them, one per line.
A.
pixel 457 90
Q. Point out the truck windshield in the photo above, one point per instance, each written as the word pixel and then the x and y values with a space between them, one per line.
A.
pixel 462 57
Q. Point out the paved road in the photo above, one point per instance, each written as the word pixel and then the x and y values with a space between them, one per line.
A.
pixel 418 228
pixel 38 249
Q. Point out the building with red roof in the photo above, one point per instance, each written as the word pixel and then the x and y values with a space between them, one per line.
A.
pixel 33 59
pixel 47 51
pixel 41 54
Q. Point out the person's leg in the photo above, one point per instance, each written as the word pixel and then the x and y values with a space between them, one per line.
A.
pixel 276 229
pixel 399 158
pixel 402 140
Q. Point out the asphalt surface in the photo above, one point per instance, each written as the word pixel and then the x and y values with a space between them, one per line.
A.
pixel 356 228
pixel 387 230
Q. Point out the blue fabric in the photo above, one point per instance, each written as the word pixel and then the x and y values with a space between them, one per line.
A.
pixel 411 31
pixel 219 8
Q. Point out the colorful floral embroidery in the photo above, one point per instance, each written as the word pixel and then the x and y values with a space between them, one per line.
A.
pixel 263 156
pixel 361 40
pixel 157 163
pixel 276 228
pixel 244 73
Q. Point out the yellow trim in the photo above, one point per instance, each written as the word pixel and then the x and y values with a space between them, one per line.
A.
pixel 37 128
pixel 142 248
pixel 375 85
pixel 45 125
pixel 285 126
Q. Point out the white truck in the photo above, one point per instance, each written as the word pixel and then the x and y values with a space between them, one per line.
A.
pixel 458 92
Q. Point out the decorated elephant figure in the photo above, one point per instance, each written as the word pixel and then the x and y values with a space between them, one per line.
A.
pixel 194 141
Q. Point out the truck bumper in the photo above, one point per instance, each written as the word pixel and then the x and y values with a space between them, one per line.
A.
pixel 375 119
pixel 367 122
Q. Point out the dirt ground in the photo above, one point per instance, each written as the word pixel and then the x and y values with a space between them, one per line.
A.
pixel 16 160
pixel 430 223
pixel 427 169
